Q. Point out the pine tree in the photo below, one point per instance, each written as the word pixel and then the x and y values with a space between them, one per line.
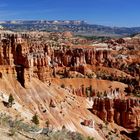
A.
pixel 87 92
pixel 47 123
pixel 10 100
pixel 35 119
pixel 54 72
pixel 90 89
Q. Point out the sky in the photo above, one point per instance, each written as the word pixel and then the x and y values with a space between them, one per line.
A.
pixel 122 13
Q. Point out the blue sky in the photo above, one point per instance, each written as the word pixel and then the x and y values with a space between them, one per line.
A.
pixel 104 12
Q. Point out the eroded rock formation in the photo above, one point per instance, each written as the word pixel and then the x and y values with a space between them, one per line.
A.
pixel 34 59
pixel 123 112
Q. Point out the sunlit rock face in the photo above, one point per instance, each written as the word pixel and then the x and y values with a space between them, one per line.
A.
pixel 123 112
pixel 35 59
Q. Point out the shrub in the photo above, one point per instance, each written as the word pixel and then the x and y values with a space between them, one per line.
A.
pixel 62 86
pixel 12 132
pixel 100 126
pixel 64 134
pixel 90 138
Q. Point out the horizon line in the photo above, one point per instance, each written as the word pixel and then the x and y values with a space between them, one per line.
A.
pixel 112 26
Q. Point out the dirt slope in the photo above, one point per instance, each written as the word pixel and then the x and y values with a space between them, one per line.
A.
pixel 70 110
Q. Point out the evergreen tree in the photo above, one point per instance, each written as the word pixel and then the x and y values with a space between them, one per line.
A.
pixel 35 119
pixel 90 89
pixel 54 72
pixel 47 123
pixel 87 92
pixel 11 100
